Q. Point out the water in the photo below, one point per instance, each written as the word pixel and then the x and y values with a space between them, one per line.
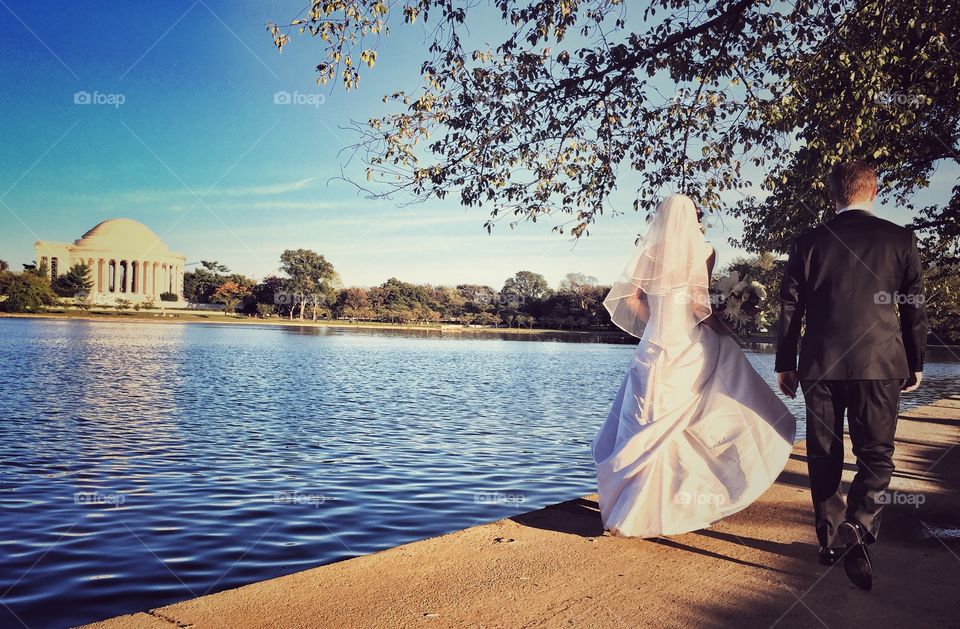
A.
pixel 144 464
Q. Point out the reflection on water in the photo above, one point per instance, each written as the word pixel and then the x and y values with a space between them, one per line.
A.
pixel 145 464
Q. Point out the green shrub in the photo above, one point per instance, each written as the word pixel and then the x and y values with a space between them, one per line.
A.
pixel 74 283
pixel 28 292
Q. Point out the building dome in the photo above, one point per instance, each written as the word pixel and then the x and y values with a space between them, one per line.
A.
pixel 123 234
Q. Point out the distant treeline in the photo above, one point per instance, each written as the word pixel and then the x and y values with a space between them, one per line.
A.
pixel 310 289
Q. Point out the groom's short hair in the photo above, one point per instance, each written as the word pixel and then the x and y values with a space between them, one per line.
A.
pixel 851 180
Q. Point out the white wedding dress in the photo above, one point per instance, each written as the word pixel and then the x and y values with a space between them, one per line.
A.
pixel 694 433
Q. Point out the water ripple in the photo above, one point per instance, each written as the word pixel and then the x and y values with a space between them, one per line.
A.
pixel 146 464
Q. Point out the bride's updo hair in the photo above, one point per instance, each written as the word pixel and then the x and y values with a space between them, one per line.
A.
pixel 696 207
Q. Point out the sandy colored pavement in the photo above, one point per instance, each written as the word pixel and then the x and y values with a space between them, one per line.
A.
pixel 555 568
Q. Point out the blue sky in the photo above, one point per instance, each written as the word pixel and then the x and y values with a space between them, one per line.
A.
pixel 199 151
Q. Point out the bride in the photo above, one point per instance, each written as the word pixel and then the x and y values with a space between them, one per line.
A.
pixel 694 433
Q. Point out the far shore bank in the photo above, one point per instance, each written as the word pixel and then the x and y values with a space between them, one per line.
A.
pixel 555 567
pixel 219 318
pixel 211 317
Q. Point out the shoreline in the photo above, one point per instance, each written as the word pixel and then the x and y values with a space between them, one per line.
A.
pixel 211 317
pixel 555 567
pixel 612 337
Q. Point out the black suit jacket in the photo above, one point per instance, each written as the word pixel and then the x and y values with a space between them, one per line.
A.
pixel 847 278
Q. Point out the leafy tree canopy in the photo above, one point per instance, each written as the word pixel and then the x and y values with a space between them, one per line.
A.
pixel 76 282
pixel 685 95
pixel 214 267
pixel 28 292
pixel 231 294
pixel 526 285
pixel 310 276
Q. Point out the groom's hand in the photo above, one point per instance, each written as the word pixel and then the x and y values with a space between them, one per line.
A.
pixel 789 381
pixel 912 383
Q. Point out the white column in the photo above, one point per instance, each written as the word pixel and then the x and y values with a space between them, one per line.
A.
pixel 116 275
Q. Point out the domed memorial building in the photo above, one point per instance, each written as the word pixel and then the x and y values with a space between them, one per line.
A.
pixel 126 260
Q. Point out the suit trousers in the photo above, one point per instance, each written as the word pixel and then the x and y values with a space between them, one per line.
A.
pixel 871 407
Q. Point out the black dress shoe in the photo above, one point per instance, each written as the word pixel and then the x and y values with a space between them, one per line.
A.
pixel 856 560
pixel 829 556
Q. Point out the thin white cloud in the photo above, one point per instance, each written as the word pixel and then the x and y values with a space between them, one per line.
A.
pixel 294 205
pixel 136 197
pixel 278 188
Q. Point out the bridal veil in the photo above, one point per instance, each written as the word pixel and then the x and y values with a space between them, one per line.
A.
pixel 668 271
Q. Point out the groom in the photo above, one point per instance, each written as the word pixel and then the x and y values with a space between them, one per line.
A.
pixel 847 279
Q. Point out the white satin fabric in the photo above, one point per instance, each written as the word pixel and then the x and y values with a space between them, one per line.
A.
pixel 694 434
